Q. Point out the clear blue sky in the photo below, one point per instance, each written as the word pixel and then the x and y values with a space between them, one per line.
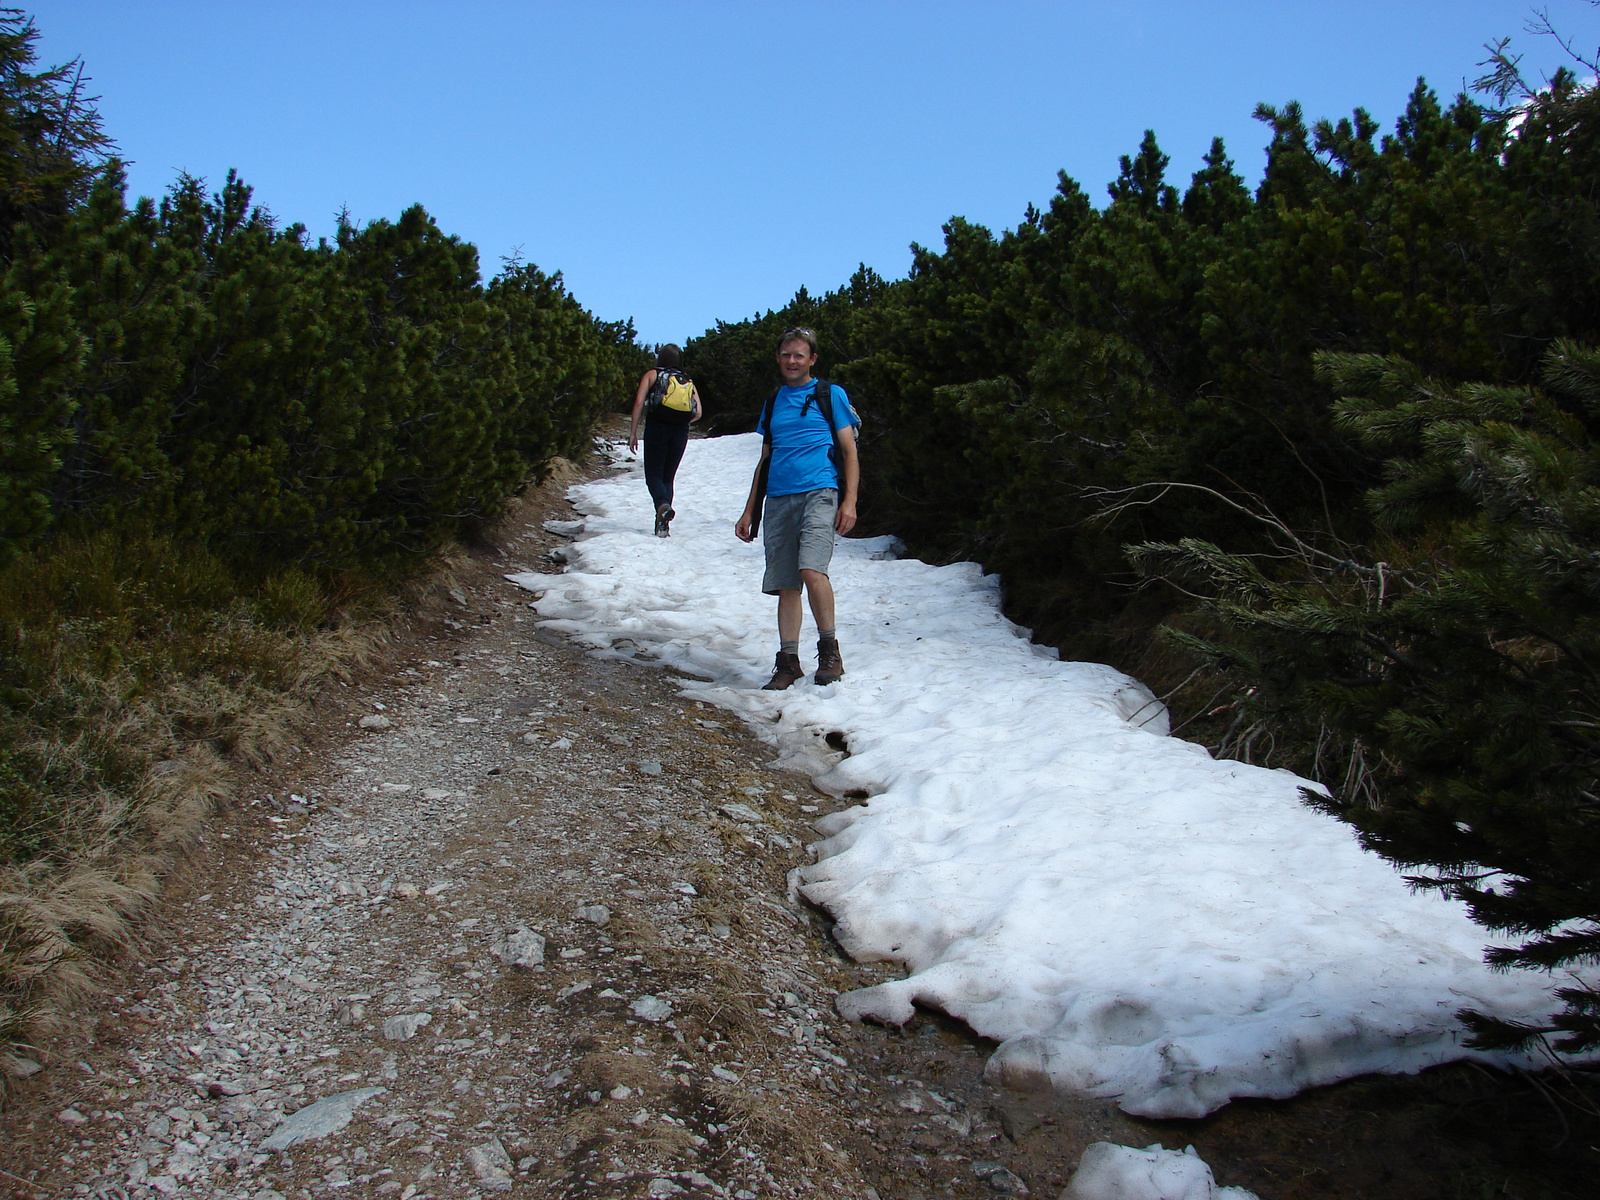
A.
pixel 684 162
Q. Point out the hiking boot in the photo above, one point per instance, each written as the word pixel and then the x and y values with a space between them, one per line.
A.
pixel 664 516
pixel 786 671
pixel 830 665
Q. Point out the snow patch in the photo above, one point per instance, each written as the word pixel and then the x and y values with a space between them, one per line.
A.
pixel 1111 1172
pixel 1127 916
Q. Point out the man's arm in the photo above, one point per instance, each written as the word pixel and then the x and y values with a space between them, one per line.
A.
pixel 742 528
pixel 850 472
pixel 645 381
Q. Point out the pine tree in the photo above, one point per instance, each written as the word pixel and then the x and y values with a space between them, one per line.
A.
pixel 1447 694
pixel 52 145
pixel 1142 179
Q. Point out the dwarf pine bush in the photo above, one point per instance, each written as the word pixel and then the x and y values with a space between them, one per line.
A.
pixel 1334 434
pixel 216 438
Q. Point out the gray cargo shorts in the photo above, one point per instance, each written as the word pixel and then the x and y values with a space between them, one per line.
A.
pixel 797 532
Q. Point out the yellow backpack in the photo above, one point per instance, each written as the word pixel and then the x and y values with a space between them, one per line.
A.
pixel 672 396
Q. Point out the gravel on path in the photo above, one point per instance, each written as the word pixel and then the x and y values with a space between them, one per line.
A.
pixel 515 919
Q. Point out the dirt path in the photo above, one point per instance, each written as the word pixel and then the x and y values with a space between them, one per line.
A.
pixel 345 934
pixel 364 928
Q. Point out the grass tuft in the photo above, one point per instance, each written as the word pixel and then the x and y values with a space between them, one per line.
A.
pixel 136 676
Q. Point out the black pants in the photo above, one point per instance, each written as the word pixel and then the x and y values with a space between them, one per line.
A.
pixel 663 451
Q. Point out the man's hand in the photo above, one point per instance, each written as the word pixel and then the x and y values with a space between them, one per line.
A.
pixel 741 530
pixel 845 519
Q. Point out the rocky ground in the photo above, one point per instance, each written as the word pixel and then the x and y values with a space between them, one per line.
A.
pixel 525 914
pixel 518 919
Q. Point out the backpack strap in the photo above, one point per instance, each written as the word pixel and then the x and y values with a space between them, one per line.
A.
pixel 823 395
pixel 764 467
pixel 766 417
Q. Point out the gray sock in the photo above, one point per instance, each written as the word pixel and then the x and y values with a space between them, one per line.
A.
pixel 789 647
pixel 827 635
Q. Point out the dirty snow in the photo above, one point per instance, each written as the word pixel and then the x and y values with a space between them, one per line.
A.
pixel 1111 1172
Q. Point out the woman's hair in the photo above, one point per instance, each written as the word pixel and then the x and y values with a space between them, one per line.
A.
pixel 668 357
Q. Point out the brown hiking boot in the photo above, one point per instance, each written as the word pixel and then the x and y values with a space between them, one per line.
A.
pixel 829 663
pixel 785 672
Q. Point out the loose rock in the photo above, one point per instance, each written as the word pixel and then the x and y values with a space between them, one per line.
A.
pixel 328 1115
pixel 523 949
pixel 492 1165
pixel 999 1179
pixel 403 1028
pixel 651 1008
pixel 23 1068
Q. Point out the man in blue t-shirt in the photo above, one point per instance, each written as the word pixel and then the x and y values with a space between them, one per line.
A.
pixel 811 495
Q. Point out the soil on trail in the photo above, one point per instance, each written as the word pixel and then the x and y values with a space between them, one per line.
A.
pixel 526 913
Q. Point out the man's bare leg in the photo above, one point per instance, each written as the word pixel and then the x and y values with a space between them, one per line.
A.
pixel 789 612
pixel 787 669
pixel 819 590
pixel 830 665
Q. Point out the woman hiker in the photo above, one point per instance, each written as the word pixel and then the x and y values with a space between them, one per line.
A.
pixel 668 402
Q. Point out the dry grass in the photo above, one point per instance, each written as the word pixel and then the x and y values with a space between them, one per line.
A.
pixel 137 678
pixel 769 1120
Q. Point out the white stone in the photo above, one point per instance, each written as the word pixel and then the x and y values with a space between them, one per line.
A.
pixel 651 1008
pixel 523 949
pixel 741 812
pixel 72 1116
pixel 318 1120
pixel 595 914
pixel 375 721
pixel 492 1165
pixel 404 1027
pixel 406 891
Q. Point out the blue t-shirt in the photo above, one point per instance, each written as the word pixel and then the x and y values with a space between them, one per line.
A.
pixel 801 440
